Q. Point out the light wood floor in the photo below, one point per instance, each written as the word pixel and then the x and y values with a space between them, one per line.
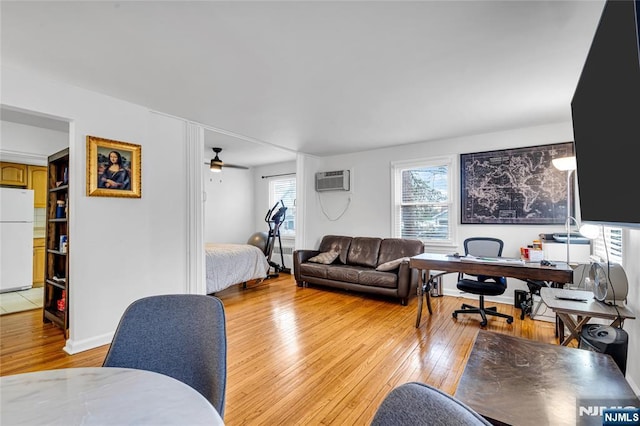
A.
pixel 305 355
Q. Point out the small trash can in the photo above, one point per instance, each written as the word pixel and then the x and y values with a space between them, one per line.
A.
pixel 607 340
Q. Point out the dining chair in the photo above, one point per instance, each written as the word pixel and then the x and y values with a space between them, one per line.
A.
pixel 180 335
pixel 480 284
pixel 414 403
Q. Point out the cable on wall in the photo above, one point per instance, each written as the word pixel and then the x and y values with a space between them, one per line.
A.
pixel 325 213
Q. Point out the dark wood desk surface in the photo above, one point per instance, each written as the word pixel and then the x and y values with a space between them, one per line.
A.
pixel 560 273
pixel 522 382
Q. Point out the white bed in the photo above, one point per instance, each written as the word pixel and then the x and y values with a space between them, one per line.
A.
pixel 229 264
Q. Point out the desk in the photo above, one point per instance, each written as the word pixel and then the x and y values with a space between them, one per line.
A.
pixel 561 273
pixel 583 311
pixel 522 382
pixel 101 395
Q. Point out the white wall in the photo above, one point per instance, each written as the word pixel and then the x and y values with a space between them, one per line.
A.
pixel 120 248
pixel 369 212
pixel 29 145
pixel 229 205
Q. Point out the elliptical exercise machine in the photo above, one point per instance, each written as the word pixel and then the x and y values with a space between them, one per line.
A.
pixel 275 220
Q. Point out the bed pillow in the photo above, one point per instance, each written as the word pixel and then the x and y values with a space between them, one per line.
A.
pixel 325 258
pixel 392 264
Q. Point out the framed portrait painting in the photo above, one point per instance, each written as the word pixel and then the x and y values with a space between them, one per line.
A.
pixel 113 168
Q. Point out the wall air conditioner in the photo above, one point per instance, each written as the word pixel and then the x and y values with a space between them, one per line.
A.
pixel 333 181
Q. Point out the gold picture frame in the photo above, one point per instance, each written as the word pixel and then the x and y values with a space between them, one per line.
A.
pixel 114 168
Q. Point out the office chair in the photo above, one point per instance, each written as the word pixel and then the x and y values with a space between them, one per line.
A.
pixel 416 404
pixel 182 336
pixel 482 247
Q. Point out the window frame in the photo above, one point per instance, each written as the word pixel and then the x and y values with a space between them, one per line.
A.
pixel 284 234
pixel 396 169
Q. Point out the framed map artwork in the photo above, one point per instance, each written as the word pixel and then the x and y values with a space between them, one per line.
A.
pixel 515 186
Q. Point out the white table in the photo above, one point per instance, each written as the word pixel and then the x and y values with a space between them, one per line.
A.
pixel 582 311
pixel 99 396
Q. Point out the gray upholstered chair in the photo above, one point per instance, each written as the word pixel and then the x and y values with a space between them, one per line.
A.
pixel 413 404
pixel 179 335
pixel 480 284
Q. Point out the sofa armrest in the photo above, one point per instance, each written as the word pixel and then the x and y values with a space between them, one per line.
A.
pixel 299 257
pixel 407 280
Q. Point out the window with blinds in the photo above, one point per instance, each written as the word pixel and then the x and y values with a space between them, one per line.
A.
pixel 608 244
pixel 423 206
pixel 285 189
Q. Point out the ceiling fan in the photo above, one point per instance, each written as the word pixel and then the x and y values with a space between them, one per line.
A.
pixel 217 164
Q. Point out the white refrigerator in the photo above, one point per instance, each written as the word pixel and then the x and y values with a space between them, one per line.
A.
pixel 16 239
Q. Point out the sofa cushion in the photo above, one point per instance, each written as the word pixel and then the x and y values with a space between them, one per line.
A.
pixel 364 251
pixel 314 269
pixel 325 258
pixel 392 264
pixel 378 279
pixel 395 248
pixel 345 273
pixel 336 243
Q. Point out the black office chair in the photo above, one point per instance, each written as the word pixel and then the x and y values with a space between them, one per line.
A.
pixel 480 284
pixel 179 335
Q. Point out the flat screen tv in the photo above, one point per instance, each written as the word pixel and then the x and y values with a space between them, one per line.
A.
pixel 606 120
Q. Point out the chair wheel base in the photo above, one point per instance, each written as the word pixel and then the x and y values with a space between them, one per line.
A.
pixel 455 315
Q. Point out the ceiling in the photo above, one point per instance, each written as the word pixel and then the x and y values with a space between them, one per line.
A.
pixel 321 77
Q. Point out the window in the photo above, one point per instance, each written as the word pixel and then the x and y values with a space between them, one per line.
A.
pixel 285 190
pixel 608 244
pixel 422 200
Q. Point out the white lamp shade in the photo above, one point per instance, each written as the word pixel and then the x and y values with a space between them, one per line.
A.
pixel 564 163
pixel 590 231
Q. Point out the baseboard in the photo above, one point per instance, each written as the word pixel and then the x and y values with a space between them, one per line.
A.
pixel 73 347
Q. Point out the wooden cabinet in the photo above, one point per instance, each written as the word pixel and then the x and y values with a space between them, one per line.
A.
pixel 37 180
pixel 13 174
pixel 56 282
pixel 38 262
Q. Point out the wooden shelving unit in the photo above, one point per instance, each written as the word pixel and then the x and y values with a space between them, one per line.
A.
pixel 56 284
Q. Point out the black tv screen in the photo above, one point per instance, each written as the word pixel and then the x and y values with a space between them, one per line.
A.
pixel 606 119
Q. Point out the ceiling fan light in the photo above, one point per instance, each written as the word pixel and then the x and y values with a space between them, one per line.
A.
pixel 216 168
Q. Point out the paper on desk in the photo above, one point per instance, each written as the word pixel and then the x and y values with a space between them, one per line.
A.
pixel 500 260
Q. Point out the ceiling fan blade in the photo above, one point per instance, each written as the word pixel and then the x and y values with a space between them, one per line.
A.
pixel 235 166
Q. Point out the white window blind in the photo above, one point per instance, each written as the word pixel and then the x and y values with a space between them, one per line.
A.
pixel 423 206
pixel 285 189
pixel 608 245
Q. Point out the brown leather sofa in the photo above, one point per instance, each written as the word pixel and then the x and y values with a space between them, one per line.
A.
pixel 365 264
